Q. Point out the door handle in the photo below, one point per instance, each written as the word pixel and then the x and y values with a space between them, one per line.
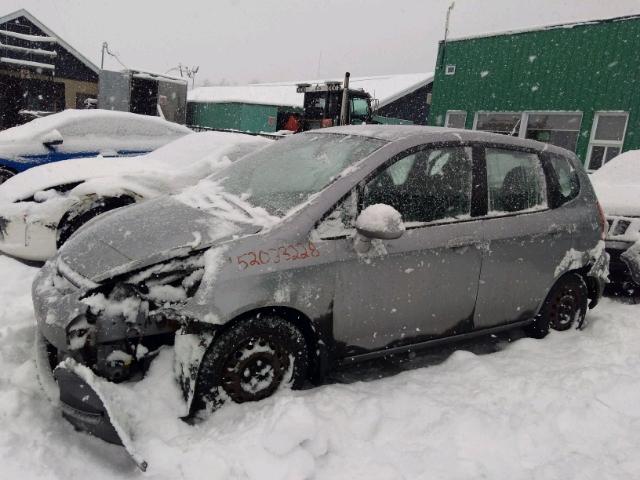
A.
pixel 461 242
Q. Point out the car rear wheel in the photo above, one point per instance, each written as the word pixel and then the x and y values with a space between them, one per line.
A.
pixel 5 175
pixel 249 362
pixel 565 306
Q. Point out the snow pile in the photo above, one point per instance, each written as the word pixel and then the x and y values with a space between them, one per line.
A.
pixel 617 184
pixel 499 415
pixel 380 218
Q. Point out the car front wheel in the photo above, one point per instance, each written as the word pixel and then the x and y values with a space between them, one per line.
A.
pixel 249 362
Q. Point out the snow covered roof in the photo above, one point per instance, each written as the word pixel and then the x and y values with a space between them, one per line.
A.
pixel 386 88
pixel 50 38
pixel 545 27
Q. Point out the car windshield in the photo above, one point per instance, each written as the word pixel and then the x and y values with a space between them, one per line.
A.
pixel 285 174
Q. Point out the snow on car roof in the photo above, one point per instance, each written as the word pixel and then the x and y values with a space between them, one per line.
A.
pixel 386 88
pixel 621 170
pixel 42 125
pixel 617 184
pixel 397 132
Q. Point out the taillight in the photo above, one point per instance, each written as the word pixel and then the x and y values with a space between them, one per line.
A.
pixel 603 221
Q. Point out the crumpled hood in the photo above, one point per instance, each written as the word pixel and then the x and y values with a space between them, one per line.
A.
pixel 144 234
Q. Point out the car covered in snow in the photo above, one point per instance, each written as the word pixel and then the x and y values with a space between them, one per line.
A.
pixel 617 184
pixel 82 133
pixel 42 207
pixel 322 249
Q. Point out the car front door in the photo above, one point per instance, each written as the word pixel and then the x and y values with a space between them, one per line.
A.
pixel 521 254
pixel 423 284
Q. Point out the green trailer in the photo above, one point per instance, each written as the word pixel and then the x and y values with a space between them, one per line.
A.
pixel 244 117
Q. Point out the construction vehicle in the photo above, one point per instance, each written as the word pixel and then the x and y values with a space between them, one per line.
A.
pixel 334 103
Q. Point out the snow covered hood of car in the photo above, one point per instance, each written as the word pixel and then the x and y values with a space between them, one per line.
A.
pixel 145 234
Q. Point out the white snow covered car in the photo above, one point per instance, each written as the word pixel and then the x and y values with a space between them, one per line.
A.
pixel 42 207
pixel 617 185
pixel 80 134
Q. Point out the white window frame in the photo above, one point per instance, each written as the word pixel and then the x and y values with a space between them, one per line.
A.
pixel 446 117
pixel 605 143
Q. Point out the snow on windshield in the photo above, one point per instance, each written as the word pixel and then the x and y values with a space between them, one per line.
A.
pixel 287 173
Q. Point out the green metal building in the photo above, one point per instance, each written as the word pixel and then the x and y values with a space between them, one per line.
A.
pixel 573 85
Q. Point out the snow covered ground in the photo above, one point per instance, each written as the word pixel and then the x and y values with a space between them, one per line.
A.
pixel 564 407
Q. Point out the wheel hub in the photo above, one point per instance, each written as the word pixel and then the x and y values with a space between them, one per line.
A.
pixel 566 310
pixel 254 370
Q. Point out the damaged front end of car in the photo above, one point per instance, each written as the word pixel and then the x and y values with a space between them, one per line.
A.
pixel 112 331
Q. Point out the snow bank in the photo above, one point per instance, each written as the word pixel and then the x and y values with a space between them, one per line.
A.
pixel 617 184
pixel 499 415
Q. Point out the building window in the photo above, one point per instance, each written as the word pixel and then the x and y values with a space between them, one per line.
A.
pixel 455 119
pixel 450 70
pixel 607 138
pixel 505 123
pixel 560 129
pixel 557 128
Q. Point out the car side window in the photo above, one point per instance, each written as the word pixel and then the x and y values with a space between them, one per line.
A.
pixel 425 186
pixel 515 181
pixel 567 184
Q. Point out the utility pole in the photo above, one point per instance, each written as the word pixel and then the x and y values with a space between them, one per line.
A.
pixel 446 31
pixel 104 47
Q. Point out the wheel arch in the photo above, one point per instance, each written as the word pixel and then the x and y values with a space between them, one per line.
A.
pixel 90 208
pixel 318 339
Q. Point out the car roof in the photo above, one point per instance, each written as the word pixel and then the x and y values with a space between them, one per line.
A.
pixel 393 133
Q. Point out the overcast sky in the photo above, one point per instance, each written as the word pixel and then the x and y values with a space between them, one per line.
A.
pixel 272 40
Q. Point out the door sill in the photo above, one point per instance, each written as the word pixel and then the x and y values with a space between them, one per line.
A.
pixel 431 343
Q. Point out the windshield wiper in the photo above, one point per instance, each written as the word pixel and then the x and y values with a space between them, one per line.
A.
pixel 231 199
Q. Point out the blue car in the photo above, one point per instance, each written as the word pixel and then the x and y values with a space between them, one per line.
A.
pixel 82 133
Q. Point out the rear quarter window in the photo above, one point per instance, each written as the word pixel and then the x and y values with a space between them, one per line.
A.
pixel 563 181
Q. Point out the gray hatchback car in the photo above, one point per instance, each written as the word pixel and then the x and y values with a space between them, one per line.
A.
pixel 326 247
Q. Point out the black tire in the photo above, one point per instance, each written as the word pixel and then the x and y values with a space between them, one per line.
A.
pixel 565 306
pixel 5 175
pixel 249 362
pixel 70 223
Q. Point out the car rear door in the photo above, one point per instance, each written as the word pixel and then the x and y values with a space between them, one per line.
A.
pixel 423 284
pixel 521 238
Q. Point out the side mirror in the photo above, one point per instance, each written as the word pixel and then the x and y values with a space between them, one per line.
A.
pixel 52 138
pixel 380 221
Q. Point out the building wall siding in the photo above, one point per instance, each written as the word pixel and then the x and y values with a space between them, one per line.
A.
pixel 233 116
pixel 585 67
